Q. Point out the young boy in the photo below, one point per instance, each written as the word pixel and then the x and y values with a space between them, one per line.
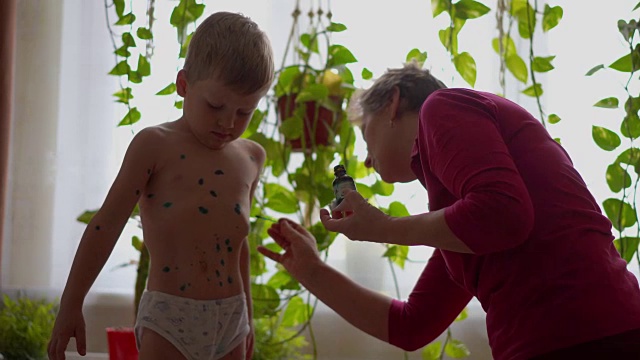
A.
pixel 194 180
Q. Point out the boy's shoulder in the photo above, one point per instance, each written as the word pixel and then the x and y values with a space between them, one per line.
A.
pixel 152 140
pixel 253 148
pixel 152 132
pixel 157 133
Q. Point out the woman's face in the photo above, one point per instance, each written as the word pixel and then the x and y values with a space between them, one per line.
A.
pixel 389 144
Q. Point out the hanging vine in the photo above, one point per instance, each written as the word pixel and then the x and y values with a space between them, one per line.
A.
pixel 507 14
pixel 622 174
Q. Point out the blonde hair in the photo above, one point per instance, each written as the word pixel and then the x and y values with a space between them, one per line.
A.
pixel 415 85
pixel 232 48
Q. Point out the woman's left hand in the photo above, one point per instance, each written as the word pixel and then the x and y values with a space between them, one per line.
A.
pixel 300 249
pixel 362 221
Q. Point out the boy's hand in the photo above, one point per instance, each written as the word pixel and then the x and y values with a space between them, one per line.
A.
pixel 250 340
pixel 67 325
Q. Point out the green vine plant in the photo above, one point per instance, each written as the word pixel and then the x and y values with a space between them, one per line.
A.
pixel 622 174
pixel 524 15
pixel 313 87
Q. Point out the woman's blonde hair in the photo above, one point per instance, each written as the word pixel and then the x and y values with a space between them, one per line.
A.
pixel 414 83
pixel 232 48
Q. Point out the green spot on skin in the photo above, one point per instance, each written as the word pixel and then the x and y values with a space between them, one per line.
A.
pixel 203 210
pixel 227 241
pixel 213 193
pixel 150 196
pixel 97 227
pixel 183 156
pixel 166 269
pixel 230 280
pixel 229 249
pixel 222 262
pixel 201 181
pixel 220 283
pixel 183 287
pixel 219 172
pixel 237 209
pixel 167 204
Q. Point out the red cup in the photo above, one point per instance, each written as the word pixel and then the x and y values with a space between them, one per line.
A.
pixel 122 343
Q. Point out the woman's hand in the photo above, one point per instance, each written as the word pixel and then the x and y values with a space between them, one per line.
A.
pixel 361 220
pixel 365 309
pixel 300 249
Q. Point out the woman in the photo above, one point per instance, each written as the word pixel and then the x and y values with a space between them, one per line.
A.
pixel 512 223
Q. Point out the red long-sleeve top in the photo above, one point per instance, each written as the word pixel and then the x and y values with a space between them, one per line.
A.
pixel 544 266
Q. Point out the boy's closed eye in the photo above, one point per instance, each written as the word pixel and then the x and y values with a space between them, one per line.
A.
pixel 240 112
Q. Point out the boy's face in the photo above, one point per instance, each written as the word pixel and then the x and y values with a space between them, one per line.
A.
pixel 216 114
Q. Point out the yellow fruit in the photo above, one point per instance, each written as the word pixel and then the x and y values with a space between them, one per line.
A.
pixel 333 82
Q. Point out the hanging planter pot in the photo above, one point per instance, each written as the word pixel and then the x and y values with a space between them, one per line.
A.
pixel 122 343
pixel 319 122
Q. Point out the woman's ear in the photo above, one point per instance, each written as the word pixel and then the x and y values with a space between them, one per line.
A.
pixel 181 82
pixel 394 104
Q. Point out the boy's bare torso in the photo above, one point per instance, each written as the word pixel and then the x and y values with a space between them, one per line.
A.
pixel 195 214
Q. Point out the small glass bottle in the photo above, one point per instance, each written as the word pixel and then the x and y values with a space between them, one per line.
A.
pixel 341 183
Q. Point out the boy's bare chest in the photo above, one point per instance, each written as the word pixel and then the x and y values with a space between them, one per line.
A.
pixel 193 185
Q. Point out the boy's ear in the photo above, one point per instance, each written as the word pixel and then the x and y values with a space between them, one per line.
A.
pixel 181 82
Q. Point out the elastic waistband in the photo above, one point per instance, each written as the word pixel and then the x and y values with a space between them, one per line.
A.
pixel 190 301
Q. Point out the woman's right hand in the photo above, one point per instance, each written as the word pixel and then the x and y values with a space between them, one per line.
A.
pixel 361 221
pixel 300 249
pixel 68 324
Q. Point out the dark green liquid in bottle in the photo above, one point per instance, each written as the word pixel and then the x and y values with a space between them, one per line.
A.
pixel 342 182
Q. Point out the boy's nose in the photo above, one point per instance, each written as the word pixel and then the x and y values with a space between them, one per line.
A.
pixel 227 122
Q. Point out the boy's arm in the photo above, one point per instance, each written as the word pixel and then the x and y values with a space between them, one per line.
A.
pixel 103 231
pixel 98 241
pixel 245 271
pixel 258 154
